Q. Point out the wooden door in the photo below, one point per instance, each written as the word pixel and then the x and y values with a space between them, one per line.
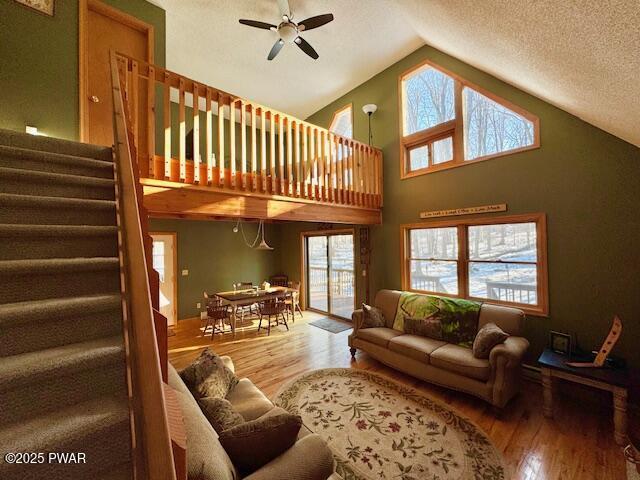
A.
pixel 103 28
pixel 164 262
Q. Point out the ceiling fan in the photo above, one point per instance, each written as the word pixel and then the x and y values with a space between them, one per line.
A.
pixel 289 31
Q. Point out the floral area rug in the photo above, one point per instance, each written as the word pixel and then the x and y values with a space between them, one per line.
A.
pixel 378 429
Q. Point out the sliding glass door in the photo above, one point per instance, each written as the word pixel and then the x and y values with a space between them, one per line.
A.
pixel 331 273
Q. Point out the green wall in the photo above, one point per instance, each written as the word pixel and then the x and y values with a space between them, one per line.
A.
pixel 217 258
pixel 39 63
pixel 585 180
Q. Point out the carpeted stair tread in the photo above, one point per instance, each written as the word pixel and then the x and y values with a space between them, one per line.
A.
pixel 120 472
pixel 47 177
pixel 13 199
pixel 68 360
pixel 37 160
pixel 73 426
pixel 57 265
pixel 38 311
pixel 57 145
pixel 21 230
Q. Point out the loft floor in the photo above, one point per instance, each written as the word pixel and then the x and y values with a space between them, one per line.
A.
pixel 577 444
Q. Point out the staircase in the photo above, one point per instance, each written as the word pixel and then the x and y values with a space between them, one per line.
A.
pixel 63 373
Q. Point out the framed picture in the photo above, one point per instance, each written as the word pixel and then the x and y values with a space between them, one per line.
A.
pixel 560 342
pixel 42 6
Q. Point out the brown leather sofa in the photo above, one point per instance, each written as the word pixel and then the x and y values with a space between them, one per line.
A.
pixel 495 380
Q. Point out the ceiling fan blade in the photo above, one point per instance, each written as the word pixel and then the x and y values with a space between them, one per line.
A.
pixel 283 5
pixel 275 49
pixel 306 48
pixel 257 24
pixel 315 22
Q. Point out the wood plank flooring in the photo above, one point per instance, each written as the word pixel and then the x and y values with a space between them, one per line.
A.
pixel 576 444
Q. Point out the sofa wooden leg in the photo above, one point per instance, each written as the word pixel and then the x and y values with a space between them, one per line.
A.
pixel 353 352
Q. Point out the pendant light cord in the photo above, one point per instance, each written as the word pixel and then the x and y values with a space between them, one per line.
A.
pixel 244 237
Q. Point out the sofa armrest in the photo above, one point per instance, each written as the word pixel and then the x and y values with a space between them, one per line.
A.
pixel 228 363
pixel 356 318
pixel 505 360
pixel 308 459
pixel 510 351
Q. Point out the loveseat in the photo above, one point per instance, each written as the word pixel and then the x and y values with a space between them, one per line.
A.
pixel 308 459
pixel 496 379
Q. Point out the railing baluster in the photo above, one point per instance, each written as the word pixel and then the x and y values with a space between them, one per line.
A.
pixel 135 124
pixel 305 161
pixel 243 147
pixel 151 115
pixel 281 150
pixel 209 139
pixel 254 150
pixel 298 193
pixel 289 157
pixel 332 167
pixel 167 126
pixel 340 158
pixel 352 196
pixel 232 141
pixel 221 175
pixel 358 177
pixel 263 149
pixel 183 133
pixel 196 134
pixel 313 166
pixel 272 150
pixel 320 155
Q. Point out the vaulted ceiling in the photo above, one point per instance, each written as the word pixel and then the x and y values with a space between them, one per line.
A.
pixel 580 55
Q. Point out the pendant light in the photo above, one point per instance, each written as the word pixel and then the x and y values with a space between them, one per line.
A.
pixel 263 245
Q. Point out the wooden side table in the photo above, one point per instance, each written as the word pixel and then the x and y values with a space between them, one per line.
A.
pixel 615 381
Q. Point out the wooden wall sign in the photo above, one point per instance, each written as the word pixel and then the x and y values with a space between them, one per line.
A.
pixel 500 207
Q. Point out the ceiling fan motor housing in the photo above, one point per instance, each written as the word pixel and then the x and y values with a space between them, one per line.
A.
pixel 288 31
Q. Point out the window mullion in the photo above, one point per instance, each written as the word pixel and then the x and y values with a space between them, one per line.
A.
pixel 458 136
pixel 463 261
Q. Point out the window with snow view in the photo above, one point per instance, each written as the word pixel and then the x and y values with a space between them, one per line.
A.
pixel 497 260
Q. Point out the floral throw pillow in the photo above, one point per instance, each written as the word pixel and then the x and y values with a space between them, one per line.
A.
pixel 488 337
pixel 425 327
pixel 220 413
pixel 372 317
pixel 208 376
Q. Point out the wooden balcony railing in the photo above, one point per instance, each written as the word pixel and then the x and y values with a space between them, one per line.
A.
pixel 191 133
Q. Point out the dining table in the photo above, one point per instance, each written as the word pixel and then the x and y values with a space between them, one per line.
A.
pixel 241 298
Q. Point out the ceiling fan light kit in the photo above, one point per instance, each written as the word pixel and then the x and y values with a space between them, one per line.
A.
pixel 289 31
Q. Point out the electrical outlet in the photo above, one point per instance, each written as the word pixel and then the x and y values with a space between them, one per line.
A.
pixel 198 305
pixel 185 272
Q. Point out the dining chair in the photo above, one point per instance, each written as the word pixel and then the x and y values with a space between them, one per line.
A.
pixel 293 301
pixel 275 308
pixel 217 313
pixel 245 309
pixel 278 280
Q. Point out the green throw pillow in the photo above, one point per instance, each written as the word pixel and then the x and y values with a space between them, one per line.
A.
pixel 220 413
pixel 372 317
pixel 208 376
pixel 253 444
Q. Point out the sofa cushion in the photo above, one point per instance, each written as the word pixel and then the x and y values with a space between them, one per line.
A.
pixel 414 346
pixel 455 358
pixel 206 459
pixel 208 376
pixel 254 444
pixel 379 335
pixel 372 317
pixel 248 400
pixel 220 413
pixel 304 431
pixel 488 337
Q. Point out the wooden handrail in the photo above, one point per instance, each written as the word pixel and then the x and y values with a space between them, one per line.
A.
pixel 304 161
pixel 153 453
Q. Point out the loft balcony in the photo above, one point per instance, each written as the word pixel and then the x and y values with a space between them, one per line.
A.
pixel 204 153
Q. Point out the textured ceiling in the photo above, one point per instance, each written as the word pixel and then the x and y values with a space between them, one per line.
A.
pixel 580 55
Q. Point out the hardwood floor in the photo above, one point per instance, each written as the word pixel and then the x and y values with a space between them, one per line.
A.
pixel 576 444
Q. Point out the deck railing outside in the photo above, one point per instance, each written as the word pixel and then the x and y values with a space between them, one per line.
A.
pixel 214 139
